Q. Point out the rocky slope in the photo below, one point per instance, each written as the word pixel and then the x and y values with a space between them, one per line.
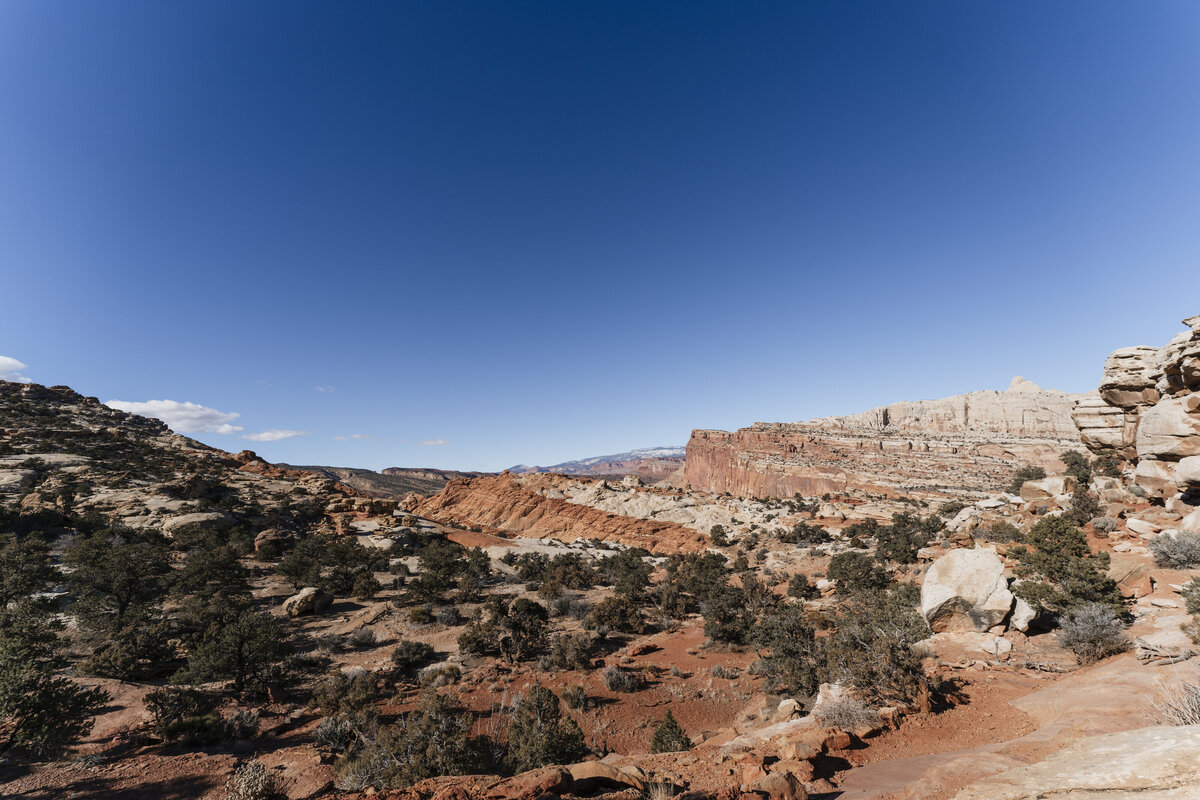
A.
pixel 392 482
pixel 651 464
pixel 967 443
pixel 62 453
pixel 500 503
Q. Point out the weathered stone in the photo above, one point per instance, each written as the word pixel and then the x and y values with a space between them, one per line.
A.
pixel 592 775
pixel 1130 375
pixel 1187 472
pixel 779 786
pixel 1167 432
pixel 1160 763
pixel 1048 488
pixel 16 480
pixel 966 590
pixel 198 522
pixel 1102 427
pixel 532 784
pixel 309 600
pixel 1022 615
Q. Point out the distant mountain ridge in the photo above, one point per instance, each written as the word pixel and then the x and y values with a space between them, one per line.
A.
pixel 652 464
pixel 392 482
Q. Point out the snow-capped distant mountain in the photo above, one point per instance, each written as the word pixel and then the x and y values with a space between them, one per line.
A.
pixel 650 463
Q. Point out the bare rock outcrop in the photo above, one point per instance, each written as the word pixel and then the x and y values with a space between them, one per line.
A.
pixel 967 443
pixel 1161 763
pixel 500 503
pixel 1147 412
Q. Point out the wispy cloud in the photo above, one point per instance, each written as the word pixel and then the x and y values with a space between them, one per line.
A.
pixel 273 435
pixel 359 437
pixel 326 389
pixel 182 417
pixel 10 370
pixel 433 442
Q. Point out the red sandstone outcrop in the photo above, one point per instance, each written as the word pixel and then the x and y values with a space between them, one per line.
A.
pixel 500 503
pixel 967 443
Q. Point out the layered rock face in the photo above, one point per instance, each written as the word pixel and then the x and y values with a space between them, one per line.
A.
pixel 967 443
pixel 500 503
pixel 1147 412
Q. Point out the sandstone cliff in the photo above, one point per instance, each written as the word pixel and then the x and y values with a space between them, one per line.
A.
pixel 500 503
pixel 1147 412
pixel 966 443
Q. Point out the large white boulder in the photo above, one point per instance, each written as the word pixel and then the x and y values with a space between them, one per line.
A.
pixel 1048 488
pixel 1130 375
pixel 1167 432
pixel 1187 472
pixel 965 590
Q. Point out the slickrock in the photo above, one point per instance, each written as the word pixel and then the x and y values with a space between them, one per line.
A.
pixel 1161 763
pixel 500 503
pixel 969 442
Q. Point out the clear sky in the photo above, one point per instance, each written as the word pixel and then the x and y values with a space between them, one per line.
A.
pixel 477 234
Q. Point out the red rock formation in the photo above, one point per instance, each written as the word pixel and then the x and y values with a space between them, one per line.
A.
pixel 969 443
pixel 499 503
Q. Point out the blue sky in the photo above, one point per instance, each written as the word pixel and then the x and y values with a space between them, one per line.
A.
pixel 542 231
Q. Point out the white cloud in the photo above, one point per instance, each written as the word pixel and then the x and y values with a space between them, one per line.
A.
pixel 360 437
pixel 434 442
pixel 182 417
pixel 273 435
pixel 10 370
pixel 326 389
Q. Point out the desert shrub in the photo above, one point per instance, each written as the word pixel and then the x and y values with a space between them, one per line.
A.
pixel 1191 595
pixel 421 615
pixel 1078 465
pixel 623 680
pixel 115 574
pixel 539 733
pixel 1084 506
pixel 185 715
pixel 908 533
pixel 725 673
pixel 568 651
pixel 137 651
pixel 999 531
pixel 871 648
pixel 1023 475
pixel 1103 524
pixel 342 694
pixel 717 536
pixel 726 616
pixel 248 651
pixel 440 675
pixel 575 697
pixel 1177 702
pixel 857 572
pixel 252 781
pixel 618 612
pixel 516 630
pixel 1060 570
pixel 434 739
pixel 804 533
pixel 786 644
pixel 950 510
pixel 341 732
pixel 244 723
pixel 1093 632
pixel 365 585
pixel 669 736
pixel 361 639
pixel 448 616
pixel 445 566
pixel 846 712
pixel 408 657
pixel 1177 550
pixel 572 607
pixel 800 588
pixel 628 572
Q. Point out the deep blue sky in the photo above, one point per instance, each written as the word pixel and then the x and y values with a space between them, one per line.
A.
pixel 541 231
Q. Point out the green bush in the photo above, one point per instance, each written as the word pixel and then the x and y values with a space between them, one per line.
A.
pixel 857 572
pixel 1059 569
pixel 539 733
pixel 568 651
pixel 1024 475
pixel 408 657
pixel 618 612
pixel 188 716
pixel 717 535
pixel 623 680
pixel 669 736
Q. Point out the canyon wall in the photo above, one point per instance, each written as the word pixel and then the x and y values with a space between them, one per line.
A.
pixel 968 443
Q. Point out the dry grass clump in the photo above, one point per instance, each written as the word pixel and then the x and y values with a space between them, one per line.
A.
pixel 1177 702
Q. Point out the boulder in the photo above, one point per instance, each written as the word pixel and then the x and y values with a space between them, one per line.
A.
pixel 779 786
pixel 1023 615
pixel 1167 432
pixel 1187 472
pixel 1101 426
pixel 1179 361
pixel 1132 576
pixel 1130 376
pixel 1048 488
pixel 590 776
pixel 1157 478
pixel 16 480
pixel 965 590
pixel 268 537
pixel 197 522
pixel 532 784
pixel 1190 523
pixel 309 600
